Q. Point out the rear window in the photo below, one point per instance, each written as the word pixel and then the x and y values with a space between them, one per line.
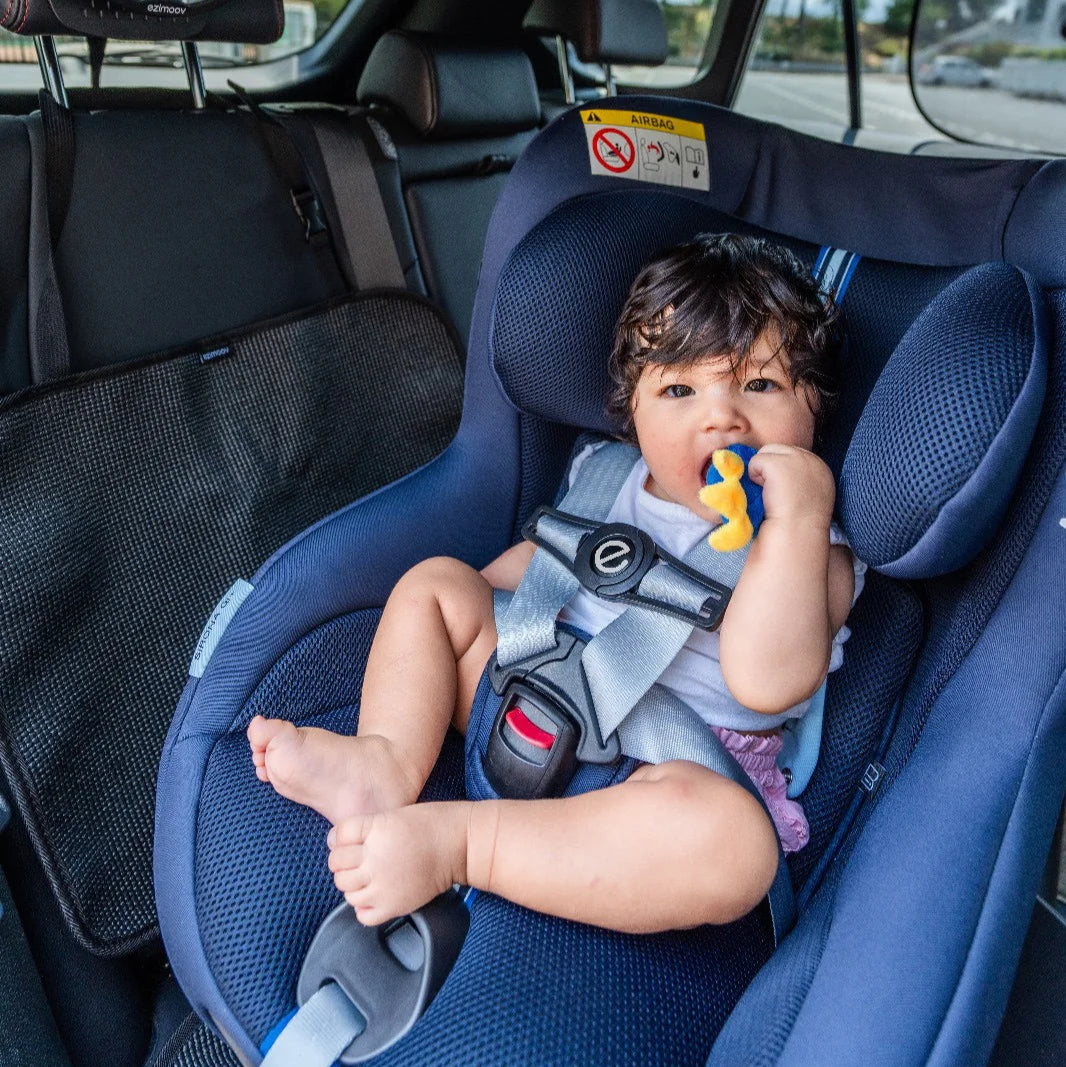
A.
pixel 688 25
pixel 132 64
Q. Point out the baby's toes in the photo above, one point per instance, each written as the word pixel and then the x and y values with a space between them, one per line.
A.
pixel 369 915
pixel 262 731
pixel 351 880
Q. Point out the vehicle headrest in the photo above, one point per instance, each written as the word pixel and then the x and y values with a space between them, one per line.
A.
pixel 245 21
pixel 603 31
pixel 445 89
pixel 939 446
pixel 934 459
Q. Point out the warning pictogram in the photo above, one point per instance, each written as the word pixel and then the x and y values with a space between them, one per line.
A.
pixel 613 150
pixel 640 146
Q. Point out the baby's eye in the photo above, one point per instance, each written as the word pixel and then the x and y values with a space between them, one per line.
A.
pixel 760 385
pixel 677 391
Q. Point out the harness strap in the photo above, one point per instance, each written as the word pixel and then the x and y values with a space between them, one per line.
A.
pixel 652 724
pixel 528 627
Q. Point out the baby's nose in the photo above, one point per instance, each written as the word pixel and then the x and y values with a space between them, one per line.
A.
pixel 721 412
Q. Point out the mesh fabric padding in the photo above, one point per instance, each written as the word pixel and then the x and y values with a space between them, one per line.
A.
pixel 882 300
pixel 550 343
pixel 546 448
pixel 132 499
pixel 961 366
pixel 255 846
pixel 960 604
pixel 886 629
pixel 532 989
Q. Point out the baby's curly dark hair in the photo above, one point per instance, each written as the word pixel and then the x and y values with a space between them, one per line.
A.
pixel 716 295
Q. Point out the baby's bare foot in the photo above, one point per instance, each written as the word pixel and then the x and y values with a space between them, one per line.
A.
pixel 389 863
pixel 338 776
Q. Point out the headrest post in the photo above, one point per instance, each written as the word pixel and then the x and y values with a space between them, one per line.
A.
pixel 612 89
pixel 51 72
pixel 564 69
pixel 195 73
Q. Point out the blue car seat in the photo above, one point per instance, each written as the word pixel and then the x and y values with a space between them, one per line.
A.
pixel 941 769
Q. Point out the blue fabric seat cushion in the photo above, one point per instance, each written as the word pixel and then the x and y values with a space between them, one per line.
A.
pixel 937 452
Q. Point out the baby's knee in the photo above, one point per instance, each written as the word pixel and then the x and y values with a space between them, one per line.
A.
pixel 437 575
pixel 734 845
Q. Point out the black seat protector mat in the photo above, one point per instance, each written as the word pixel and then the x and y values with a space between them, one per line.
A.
pixel 132 498
pixel 194 1045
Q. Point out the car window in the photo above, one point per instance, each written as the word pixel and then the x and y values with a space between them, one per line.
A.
pixel 688 25
pixel 994 73
pixel 159 63
pixel 797 71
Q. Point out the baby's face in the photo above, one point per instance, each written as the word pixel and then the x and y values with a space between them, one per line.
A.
pixel 682 415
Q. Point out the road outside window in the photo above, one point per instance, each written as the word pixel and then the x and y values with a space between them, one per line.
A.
pixel 132 64
pixel 797 74
pixel 994 71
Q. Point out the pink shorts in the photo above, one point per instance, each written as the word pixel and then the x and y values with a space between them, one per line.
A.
pixel 758 757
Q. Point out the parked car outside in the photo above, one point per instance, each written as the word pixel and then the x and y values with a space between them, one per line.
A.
pixel 953 70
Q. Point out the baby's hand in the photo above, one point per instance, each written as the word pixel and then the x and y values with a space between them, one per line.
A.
pixel 796 485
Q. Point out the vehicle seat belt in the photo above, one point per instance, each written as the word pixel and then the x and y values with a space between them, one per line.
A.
pixel 52 178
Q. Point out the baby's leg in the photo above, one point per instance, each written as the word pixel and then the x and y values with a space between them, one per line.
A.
pixel 674 846
pixel 434 638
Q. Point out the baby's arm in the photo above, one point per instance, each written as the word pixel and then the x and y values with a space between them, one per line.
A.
pixel 795 591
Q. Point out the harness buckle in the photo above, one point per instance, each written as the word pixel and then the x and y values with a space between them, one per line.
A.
pixel 545 724
pixel 533 748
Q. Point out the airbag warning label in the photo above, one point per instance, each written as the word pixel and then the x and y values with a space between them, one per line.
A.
pixel 647 148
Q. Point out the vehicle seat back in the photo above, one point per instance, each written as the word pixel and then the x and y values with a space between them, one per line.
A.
pixel 227 389
pixel 455 117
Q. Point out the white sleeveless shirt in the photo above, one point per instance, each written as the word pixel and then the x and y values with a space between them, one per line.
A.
pixel 695 675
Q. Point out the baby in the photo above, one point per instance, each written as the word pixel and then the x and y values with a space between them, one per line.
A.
pixel 721 341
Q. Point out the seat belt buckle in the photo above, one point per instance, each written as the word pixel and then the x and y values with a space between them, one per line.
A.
pixel 308 211
pixel 532 750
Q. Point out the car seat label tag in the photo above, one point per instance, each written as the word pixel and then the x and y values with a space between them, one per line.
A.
pixel 647 148
pixel 224 611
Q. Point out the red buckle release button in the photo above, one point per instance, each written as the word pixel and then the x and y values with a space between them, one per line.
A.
pixel 528 731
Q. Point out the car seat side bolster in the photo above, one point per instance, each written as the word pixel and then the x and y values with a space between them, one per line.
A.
pixel 914 906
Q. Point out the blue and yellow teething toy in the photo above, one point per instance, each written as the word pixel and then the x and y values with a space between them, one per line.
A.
pixel 732 493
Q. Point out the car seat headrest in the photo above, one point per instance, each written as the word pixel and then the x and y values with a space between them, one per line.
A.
pixel 244 21
pixel 445 89
pixel 932 463
pixel 938 449
pixel 603 31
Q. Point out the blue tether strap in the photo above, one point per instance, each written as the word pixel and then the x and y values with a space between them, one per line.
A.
pixel 325 1025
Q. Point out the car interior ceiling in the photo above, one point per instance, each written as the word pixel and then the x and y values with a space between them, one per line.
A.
pixel 353 315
